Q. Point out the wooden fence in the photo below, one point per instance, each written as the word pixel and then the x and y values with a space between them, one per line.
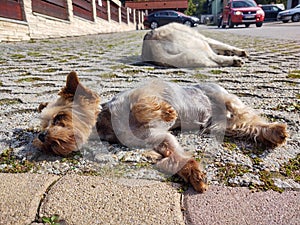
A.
pixel 54 8
pixel 12 9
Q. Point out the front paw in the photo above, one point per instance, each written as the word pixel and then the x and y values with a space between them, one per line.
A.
pixel 191 173
pixel 275 134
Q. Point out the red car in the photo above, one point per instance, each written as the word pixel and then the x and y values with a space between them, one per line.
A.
pixel 238 12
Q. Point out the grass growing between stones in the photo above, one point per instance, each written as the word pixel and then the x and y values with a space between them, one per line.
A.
pixel 200 76
pixel 29 79
pixel 291 107
pixel 294 74
pixel 229 171
pixel 18 56
pixel 52 220
pixel 292 169
pixel 9 101
pixel 34 54
pixel 108 75
pixel 10 164
pixel 218 72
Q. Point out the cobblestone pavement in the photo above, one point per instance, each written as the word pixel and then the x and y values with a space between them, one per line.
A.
pixel 33 72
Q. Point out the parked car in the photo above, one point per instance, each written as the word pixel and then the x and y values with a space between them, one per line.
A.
pixel 164 17
pixel 290 14
pixel 245 12
pixel 271 12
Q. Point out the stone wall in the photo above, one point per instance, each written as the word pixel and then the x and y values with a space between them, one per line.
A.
pixel 39 26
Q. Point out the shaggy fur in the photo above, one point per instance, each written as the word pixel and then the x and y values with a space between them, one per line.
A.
pixel 177 45
pixel 144 116
pixel 67 122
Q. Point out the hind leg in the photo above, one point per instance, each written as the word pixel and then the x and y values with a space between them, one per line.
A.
pixel 151 108
pixel 242 121
pixel 177 161
pixel 225 49
pixel 222 60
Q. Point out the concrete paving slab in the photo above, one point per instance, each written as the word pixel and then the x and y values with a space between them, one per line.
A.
pixel 20 196
pixel 239 206
pixel 94 200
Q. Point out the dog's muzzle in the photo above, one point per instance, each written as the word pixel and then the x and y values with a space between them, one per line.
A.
pixel 42 136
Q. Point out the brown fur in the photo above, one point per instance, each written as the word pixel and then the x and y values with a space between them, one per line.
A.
pixel 243 122
pixel 67 122
pixel 143 116
pixel 158 106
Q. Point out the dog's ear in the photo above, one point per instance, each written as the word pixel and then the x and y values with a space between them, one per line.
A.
pixel 74 88
pixel 72 83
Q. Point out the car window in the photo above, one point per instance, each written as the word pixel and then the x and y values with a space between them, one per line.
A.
pixel 266 7
pixel 173 14
pixel 241 4
pixel 163 13
pixel 274 8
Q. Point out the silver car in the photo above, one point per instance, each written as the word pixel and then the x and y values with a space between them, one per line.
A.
pixel 290 14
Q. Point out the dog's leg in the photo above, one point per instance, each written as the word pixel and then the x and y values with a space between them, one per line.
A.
pixel 242 121
pixel 222 60
pixel 225 49
pixel 177 161
pixel 152 108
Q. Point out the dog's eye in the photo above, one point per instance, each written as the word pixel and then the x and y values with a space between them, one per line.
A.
pixel 58 119
pixel 54 144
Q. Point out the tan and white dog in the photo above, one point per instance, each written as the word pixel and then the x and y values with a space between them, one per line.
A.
pixel 177 45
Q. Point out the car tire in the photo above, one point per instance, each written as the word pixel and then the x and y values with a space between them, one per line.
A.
pixel 296 17
pixel 188 23
pixel 153 25
pixel 230 24
pixel 247 25
pixel 259 24
pixel 285 21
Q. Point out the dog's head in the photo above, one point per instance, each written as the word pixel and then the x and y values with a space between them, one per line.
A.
pixel 67 122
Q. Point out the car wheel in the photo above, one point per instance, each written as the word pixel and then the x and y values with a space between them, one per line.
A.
pixel 285 21
pixel 230 24
pixel 259 24
pixel 247 25
pixel 188 23
pixel 153 25
pixel 296 17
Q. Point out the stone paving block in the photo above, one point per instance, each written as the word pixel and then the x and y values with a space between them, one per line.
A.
pixel 21 195
pixel 94 200
pixel 239 206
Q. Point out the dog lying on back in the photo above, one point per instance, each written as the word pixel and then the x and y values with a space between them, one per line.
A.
pixel 177 45
pixel 144 117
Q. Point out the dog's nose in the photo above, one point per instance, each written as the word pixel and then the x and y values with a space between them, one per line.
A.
pixel 42 136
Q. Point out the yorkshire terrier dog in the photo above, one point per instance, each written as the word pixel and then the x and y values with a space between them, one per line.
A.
pixel 67 122
pixel 145 115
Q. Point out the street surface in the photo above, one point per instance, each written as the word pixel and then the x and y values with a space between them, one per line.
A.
pixel 273 30
pixel 98 186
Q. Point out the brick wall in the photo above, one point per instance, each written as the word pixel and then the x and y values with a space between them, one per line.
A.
pixel 38 25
